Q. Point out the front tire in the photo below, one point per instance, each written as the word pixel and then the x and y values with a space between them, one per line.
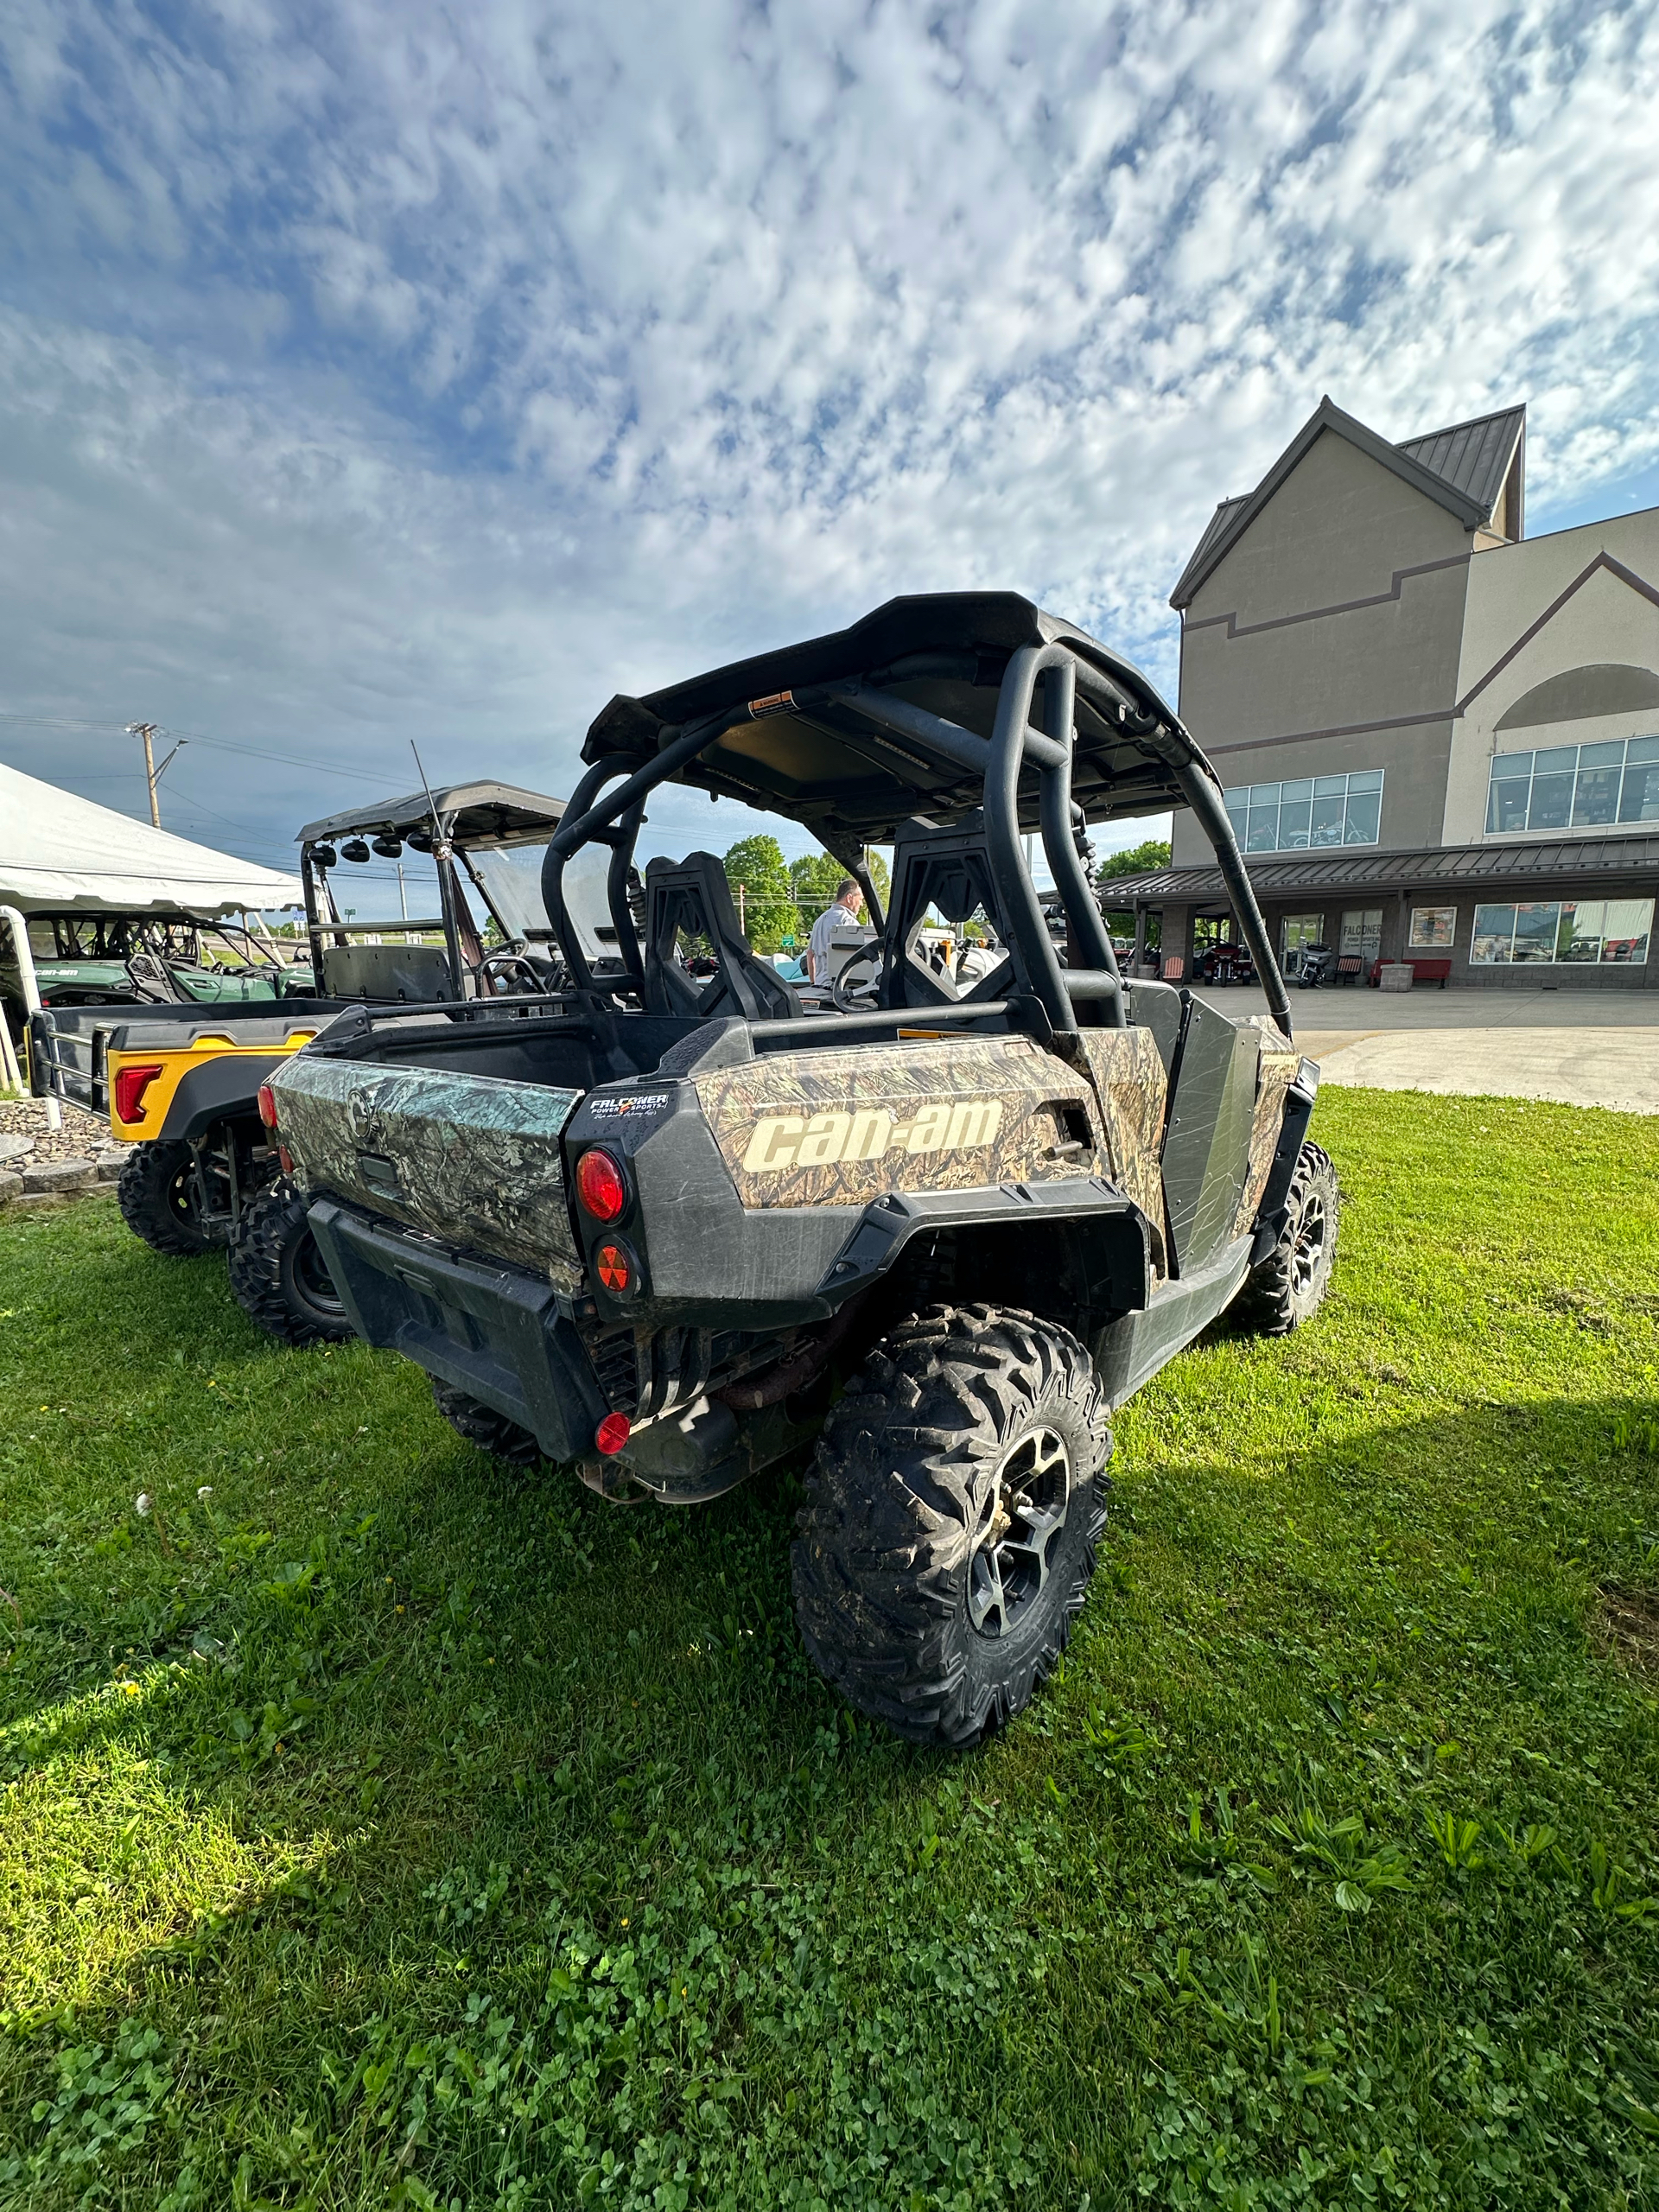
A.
pixel 480 1425
pixel 1289 1285
pixel 954 1507
pixel 278 1276
pixel 159 1193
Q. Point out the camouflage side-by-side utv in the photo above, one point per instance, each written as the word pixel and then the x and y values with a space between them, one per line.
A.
pixel 672 1231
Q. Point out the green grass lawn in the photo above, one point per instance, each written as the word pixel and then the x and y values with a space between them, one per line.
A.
pixel 385 1827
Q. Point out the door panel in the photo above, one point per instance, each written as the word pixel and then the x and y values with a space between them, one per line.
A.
pixel 1207 1145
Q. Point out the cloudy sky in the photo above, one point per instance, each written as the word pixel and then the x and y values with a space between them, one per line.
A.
pixel 371 371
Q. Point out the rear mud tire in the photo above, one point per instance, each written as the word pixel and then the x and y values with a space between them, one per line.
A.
pixel 480 1425
pixel 1288 1288
pixel 160 1200
pixel 278 1276
pixel 955 1504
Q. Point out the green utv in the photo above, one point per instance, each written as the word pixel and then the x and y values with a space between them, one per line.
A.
pixel 671 1229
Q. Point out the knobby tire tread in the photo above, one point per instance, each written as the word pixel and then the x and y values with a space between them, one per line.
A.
pixel 880 1564
pixel 143 1192
pixel 480 1425
pixel 269 1227
pixel 1267 1305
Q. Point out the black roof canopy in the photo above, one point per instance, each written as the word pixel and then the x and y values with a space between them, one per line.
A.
pixel 474 814
pixel 818 761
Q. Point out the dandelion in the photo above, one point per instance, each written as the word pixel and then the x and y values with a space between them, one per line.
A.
pixel 204 1493
pixel 142 1503
pixel 129 1689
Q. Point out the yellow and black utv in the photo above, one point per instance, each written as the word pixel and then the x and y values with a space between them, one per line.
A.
pixel 179 1079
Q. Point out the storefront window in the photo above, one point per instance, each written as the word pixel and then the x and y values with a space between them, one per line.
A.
pixel 1362 932
pixel 1545 932
pixel 1575 786
pixel 1433 928
pixel 1308 812
pixel 1297 932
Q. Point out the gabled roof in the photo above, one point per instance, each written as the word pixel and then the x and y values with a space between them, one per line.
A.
pixel 1461 469
pixel 1472 457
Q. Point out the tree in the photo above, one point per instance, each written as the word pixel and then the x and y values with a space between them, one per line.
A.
pixel 756 866
pixel 816 876
pixel 1154 852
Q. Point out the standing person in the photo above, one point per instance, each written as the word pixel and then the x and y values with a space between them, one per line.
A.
pixel 848 904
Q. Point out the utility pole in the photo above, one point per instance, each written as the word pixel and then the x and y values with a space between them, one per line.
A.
pixel 147 731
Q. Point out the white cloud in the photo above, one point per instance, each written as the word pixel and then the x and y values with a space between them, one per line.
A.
pixel 423 372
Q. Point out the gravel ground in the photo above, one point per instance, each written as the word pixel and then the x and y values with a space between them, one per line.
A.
pixel 83 1137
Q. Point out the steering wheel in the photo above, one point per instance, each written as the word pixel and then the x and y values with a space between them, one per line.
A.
pixel 511 966
pixel 853 995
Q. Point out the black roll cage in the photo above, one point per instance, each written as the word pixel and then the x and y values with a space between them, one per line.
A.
pixel 1121 697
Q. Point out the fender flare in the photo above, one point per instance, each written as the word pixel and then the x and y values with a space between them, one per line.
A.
pixel 1109 1233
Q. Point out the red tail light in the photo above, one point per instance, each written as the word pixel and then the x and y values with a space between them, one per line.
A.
pixel 599 1185
pixel 267 1105
pixel 613 1433
pixel 131 1084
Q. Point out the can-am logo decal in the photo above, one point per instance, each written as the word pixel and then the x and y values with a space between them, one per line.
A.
pixel 781 1141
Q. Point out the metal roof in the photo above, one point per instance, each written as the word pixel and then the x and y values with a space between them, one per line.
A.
pixel 1441 867
pixel 1461 469
pixel 1474 456
pixel 476 813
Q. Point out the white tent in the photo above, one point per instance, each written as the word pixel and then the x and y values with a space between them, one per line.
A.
pixel 63 855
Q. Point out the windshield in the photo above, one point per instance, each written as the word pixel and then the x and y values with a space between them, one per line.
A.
pixel 511 877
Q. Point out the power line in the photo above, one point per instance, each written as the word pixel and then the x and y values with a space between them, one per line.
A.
pixel 194 737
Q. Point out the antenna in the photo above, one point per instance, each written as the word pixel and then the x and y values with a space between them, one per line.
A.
pixel 440 851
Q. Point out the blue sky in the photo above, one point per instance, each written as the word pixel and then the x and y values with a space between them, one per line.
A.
pixel 380 371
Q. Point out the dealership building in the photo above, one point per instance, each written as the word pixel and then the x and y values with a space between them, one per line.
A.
pixel 1440 738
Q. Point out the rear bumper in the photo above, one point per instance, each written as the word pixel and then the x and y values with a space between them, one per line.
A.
pixel 504 1337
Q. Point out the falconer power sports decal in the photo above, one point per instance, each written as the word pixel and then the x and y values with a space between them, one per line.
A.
pixel 781 1141
pixel 633 1101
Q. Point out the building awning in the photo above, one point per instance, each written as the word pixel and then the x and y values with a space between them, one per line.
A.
pixel 60 853
pixel 1530 867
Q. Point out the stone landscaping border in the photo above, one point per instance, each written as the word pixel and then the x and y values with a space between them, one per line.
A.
pixel 23 1182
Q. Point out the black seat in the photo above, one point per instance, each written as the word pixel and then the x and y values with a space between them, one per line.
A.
pixel 693 896
pixel 949 870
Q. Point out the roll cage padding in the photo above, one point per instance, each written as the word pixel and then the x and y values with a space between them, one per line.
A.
pixel 693 896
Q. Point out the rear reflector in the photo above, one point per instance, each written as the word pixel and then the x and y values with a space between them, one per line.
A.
pixel 613 1433
pixel 615 1266
pixel 131 1084
pixel 267 1105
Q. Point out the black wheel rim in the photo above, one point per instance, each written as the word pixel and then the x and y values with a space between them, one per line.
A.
pixel 1310 1246
pixel 313 1279
pixel 182 1197
pixel 1020 1523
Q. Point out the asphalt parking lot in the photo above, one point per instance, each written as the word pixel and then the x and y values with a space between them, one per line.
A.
pixel 1582 1048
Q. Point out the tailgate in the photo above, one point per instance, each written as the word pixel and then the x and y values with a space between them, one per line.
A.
pixel 470 1159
